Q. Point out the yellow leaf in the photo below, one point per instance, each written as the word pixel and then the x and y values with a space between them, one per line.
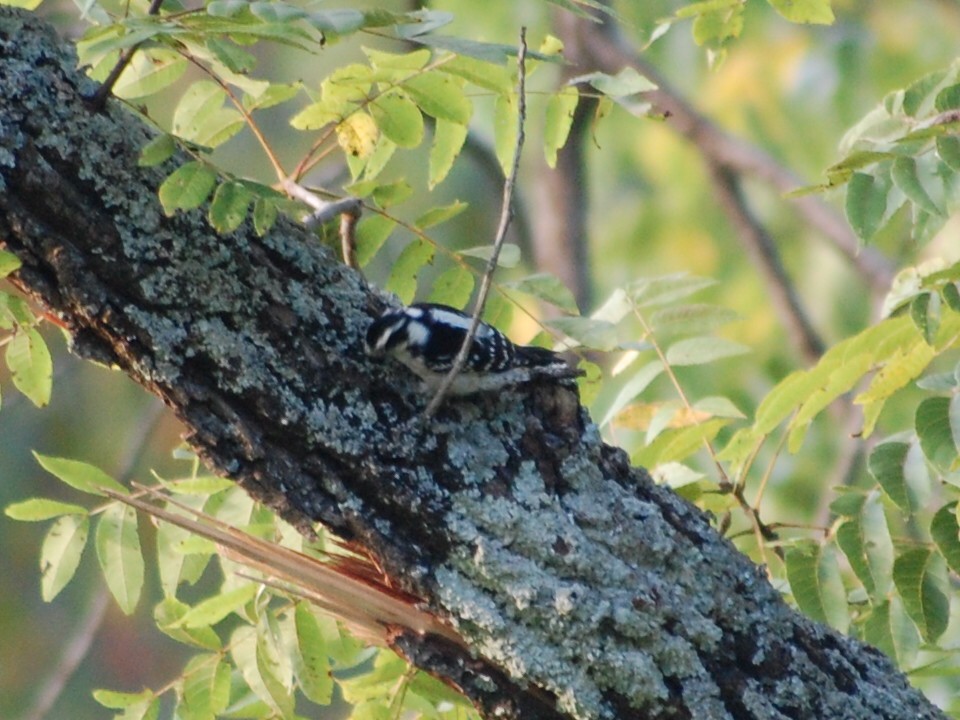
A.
pixel 639 415
pixel 357 135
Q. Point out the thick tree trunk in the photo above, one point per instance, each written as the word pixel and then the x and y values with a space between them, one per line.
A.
pixel 582 589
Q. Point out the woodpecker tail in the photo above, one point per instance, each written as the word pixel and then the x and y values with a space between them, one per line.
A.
pixel 528 356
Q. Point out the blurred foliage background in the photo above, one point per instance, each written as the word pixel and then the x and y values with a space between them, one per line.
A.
pixel 651 209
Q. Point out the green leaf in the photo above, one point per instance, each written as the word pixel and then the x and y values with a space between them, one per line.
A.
pixel 118 549
pixel 214 609
pixel 886 465
pixel 402 62
pixel 437 215
pixel 448 139
pixel 951 295
pixel 816 585
pixel 36 509
pixel 626 82
pixel 692 318
pixel 206 686
pixel 589 332
pixel 560 111
pixel 633 387
pixel 273 94
pixel 149 71
pixel 187 188
pixel 945 532
pixel 235 58
pixel 925 313
pixel 60 553
pixel 25 4
pixel 8 263
pixel 947 99
pixel 921 580
pixel 889 628
pixel 264 215
pixel 934 430
pixel 29 361
pixel 227 8
pixel 403 277
pixel 80 475
pixel 374 165
pixel 677 445
pixel 948 148
pixel 548 288
pixel 903 172
pixel 484 74
pixel 372 232
pixel 337 21
pixel 703 349
pixel 865 540
pixel 805 11
pixel 200 116
pixel 440 95
pixel 453 287
pixel 918 92
pixel 718 406
pixel 229 207
pixel 253 657
pixel 276 12
pixel 664 289
pixel 311 662
pixel 120 700
pixel 509 256
pixel 158 150
pixel 168 614
pixel 398 118
pixel 866 204
pixel 953 414
pixel 715 27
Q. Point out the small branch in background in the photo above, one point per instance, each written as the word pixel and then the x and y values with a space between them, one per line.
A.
pixel 760 245
pixel 506 212
pixel 349 209
pixel 481 152
pixel 75 650
pixel 600 47
pixel 99 98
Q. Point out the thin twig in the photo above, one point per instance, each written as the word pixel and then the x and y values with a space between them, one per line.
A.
pixel 76 649
pixel 349 209
pixel 99 98
pixel 506 212
pixel 766 257
pixel 241 108
pixel 601 47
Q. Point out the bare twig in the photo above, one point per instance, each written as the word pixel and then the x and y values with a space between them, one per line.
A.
pixel 599 47
pixel 76 649
pixel 99 98
pixel 506 213
pixel 349 209
pixel 766 257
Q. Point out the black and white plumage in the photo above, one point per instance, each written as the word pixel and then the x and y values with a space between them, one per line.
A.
pixel 427 337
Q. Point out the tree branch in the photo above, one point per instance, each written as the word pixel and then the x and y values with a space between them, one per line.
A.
pixel 600 47
pixel 766 258
pixel 583 589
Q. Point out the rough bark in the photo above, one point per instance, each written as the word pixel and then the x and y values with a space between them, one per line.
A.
pixel 583 589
